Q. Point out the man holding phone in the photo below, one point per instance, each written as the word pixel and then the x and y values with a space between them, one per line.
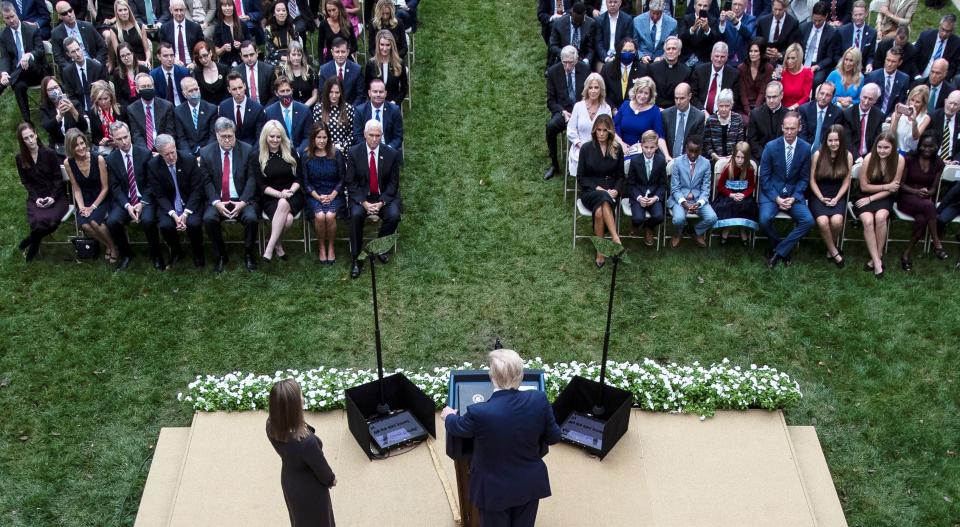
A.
pixel 737 29
pixel 699 33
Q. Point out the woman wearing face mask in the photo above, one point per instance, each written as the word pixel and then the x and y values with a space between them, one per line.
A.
pixel 916 197
pixel 619 75
pixel 280 173
pixel 585 112
pixel 57 113
pixel 39 170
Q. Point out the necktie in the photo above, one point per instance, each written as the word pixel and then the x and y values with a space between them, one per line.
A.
pixel 170 88
pixel 776 32
pixel 693 170
pixel 575 39
pixel 289 122
pixel 239 7
pixel 649 167
pixel 20 8
pixel 937 53
pixel 748 9
pixel 863 134
pixel 571 88
pixel 816 136
pixel 85 87
pixel 131 182
pixel 148 122
pixel 653 34
pixel 932 105
pixel 812 47
pixel 378 116
pixel 148 7
pixel 789 159
pixel 16 38
pixel 856 40
pixel 712 94
pixel 624 79
pixel 340 73
pixel 177 198
pixel 225 178
pixel 887 92
pixel 181 46
pixel 254 94
pixel 239 117
pixel 678 136
pixel 945 139
pixel 374 179
pixel 295 9
pixel 833 10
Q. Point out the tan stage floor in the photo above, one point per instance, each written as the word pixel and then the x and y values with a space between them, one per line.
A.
pixel 738 469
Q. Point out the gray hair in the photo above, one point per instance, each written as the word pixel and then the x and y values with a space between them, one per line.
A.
pixel 725 95
pixel 69 40
pixel 222 124
pixel 175 2
pixel 776 84
pixel 655 5
pixel 136 80
pixel 186 81
pixel 569 52
pixel 117 126
pixel 671 38
pixel 7 7
pixel 506 369
pixel 722 47
pixel 872 87
pixel 371 124
pixel 164 140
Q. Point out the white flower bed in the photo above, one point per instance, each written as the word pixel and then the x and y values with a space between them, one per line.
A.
pixel 664 388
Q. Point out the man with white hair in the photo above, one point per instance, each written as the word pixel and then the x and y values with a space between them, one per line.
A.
pixel 668 73
pixel 710 78
pixel 511 431
pixel 863 121
pixel 373 185
pixel 564 88
pixel 181 32
pixel 177 187
pixel 945 125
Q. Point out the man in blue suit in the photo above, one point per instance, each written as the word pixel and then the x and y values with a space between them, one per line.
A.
pixel 737 29
pixel 293 115
pixel 379 108
pixel 246 114
pixel 348 71
pixel 34 11
pixel 608 42
pixel 167 76
pixel 858 34
pixel 690 179
pixel 651 30
pixel 893 83
pixel 511 431
pixel 784 172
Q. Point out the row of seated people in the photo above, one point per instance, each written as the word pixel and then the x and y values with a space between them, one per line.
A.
pixel 810 184
pixel 172 191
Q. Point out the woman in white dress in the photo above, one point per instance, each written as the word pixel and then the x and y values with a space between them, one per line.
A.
pixel 911 119
pixel 585 112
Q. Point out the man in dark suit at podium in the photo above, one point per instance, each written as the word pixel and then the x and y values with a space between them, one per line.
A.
pixel 511 432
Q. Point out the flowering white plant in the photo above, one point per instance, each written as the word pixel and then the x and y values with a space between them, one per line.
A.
pixel 658 387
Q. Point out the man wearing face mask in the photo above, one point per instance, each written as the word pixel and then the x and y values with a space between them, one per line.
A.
pixel 293 115
pixel 618 75
pixel 668 73
pixel 612 27
pixel 149 116
pixel 194 120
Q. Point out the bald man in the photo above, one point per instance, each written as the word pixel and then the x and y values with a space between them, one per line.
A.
pixel 91 42
pixel 940 88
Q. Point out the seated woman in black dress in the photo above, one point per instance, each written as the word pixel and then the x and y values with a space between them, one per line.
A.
pixel 600 175
pixel 735 202
pixel 323 170
pixel 280 174
pixel 279 34
pixel 89 181
pixel 830 170
pixel 879 181
pixel 917 192
pixel 47 203
pixel 387 66
pixel 125 74
pixel 57 113
pixel 305 475
pixel 334 112
pixel 210 75
pixel 303 80
pixel 335 24
pixel 228 33
pixel 127 29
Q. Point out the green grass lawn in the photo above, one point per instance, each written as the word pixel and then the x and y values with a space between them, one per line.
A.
pixel 91 361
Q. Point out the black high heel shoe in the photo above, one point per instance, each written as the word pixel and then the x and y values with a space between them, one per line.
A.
pixel 839 263
pixel 941 253
pixel 906 264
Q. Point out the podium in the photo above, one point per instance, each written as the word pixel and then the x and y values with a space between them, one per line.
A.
pixel 465 388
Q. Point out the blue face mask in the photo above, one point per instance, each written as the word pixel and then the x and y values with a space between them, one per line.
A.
pixel 627 57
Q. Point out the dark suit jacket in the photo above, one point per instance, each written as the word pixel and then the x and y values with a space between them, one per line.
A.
pixel 140 11
pixel 189 181
pixel 560 37
pixel 70 77
pixel 392 124
pixel 160 80
pixel 945 88
pixel 92 41
pixel 698 43
pixel 602 33
pixel 700 83
pixel 910 63
pixel 901 83
pixel 936 125
pixel 557 99
pixel 828 52
pixel 738 39
pixel 357 179
pixel 32 43
pixel 789 31
pixel 639 183
pixel 926 44
pixel 868 42
pixel 695 123
pixel 244 168
pixel 35 11
pixel 545 9
pixel 773 176
pixel 851 121
pixel 163 120
pixel 611 79
pixel 808 120
pixel 510 431
pixel 265 76
pixel 189 138
pixel 301 118
pixel 252 119
pixel 667 77
pixel 119 186
pixel 765 126
pixel 353 89
pixel 192 32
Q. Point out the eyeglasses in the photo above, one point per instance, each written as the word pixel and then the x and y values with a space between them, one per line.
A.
pixel 65 13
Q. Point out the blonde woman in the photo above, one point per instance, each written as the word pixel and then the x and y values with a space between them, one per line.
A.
pixel 89 181
pixel 796 78
pixel 848 79
pixel 387 66
pixel 127 29
pixel 585 112
pixel 303 80
pixel 105 112
pixel 385 17
pixel 280 174
pixel 637 115
pixel 911 119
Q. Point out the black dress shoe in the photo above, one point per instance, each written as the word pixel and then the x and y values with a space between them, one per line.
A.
pixel 158 264
pixel 250 262
pixel 384 258
pixel 773 260
pixel 32 251
pixel 356 269
pixel 218 267
pixel 549 173
pixel 283 257
pixel 124 263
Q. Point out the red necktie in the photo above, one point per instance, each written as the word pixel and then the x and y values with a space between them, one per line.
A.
pixel 148 121
pixel 374 180
pixel 239 117
pixel 863 135
pixel 253 85
pixel 340 73
pixel 712 94
pixel 239 6
pixel 181 47
pixel 225 180
pixel 132 182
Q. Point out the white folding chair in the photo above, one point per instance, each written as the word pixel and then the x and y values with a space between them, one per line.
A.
pixel 951 174
pixel 581 211
pixel 264 231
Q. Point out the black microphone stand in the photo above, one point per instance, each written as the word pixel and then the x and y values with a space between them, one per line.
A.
pixel 598 409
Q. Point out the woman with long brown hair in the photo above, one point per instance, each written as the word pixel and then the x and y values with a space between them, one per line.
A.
pixel 228 32
pixel 879 182
pixel 830 170
pixel 600 174
pixel 387 66
pixel 89 181
pixel 280 32
pixel 335 113
pixel 39 170
pixel 735 203
pixel 323 171
pixel 333 24
pixel 305 475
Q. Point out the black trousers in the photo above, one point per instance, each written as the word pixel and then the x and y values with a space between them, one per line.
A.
pixel 250 220
pixel 555 126
pixel 168 229
pixel 520 516
pixel 27 79
pixel 390 219
pixel 117 223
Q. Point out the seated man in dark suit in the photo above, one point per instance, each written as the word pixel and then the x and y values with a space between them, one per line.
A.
pixel 783 176
pixel 607 42
pixel 618 75
pixel 80 74
pixel 699 33
pixel 194 119
pixel 821 43
pixel 573 29
pixel 167 76
pixel 780 29
pixel 130 191
pixel 766 120
pixel 547 12
pixel 860 137
pixel 936 81
pixel 939 43
pixel 668 73
pixel 510 433
pixel 23 60
pixel 229 169
pixel 35 12
pixel 646 186
pixel 858 34
pixel 893 84
pixel 710 78
pixel 149 116
pixel 347 70
pixel 176 183
pixel 294 116
pixel 257 75
pixel 246 114
pixel 373 187
pixel 564 89
pixel 682 120
pixel 819 115
pixel 383 111
pixel 181 32
pixel 91 41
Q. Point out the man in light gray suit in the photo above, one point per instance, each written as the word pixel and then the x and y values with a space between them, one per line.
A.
pixel 690 180
pixel 681 121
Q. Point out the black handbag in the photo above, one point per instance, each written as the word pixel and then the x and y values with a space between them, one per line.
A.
pixel 85 248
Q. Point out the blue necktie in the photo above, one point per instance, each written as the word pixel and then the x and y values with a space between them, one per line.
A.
pixel 575 38
pixel 816 137
pixel 571 88
pixel 16 38
pixel 177 199
pixel 932 105
pixel 289 122
pixel 789 159
pixel 378 115
pixel 195 117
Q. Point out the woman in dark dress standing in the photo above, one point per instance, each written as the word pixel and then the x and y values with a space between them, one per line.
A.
pixel 387 66
pixel 47 204
pixel 210 75
pixel 88 178
pixel 323 172
pixel 600 174
pixel 125 74
pixel 830 170
pixel 879 182
pixel 305 476
pixel 735 202
pixel 917 194
pixel 280 176
pixel 228 33
pixel 334 112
